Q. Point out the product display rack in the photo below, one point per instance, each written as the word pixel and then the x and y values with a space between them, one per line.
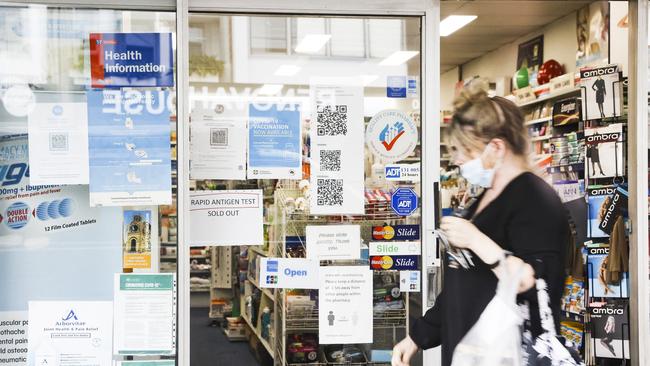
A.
pixel 389 326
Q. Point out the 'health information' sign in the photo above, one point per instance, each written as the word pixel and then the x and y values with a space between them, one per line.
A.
pixel 131 59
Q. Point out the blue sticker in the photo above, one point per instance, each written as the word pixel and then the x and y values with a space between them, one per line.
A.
pixel 396 87
pixel 404 201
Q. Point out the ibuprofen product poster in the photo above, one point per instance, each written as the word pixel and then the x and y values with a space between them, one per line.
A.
pixel 298 273
pixel 218 143
pixel 131 59
pixel 13 338
pixel 222 218
pixel 337 152
pixel 605 158
pixel 58 143
pixel 145 316
pixel 274 142
pixel 70 333
pixel 331 242
pixel 344 303
pixel 52 224
pixel 129 145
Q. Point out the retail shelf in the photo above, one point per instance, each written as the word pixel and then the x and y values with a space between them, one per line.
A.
pixel 547 97
pixel 167 243
pixel 536 121
pixel 573 316
pixel 541 138
pixel 200 271
pixel 265 291
pixel 167 257
pixel 200 289
pixel 575 167
pixel 264 342
pixel 258 251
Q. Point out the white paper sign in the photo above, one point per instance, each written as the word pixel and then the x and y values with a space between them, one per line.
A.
pixel 13 338
pixel 222 218
pixel 345 305
pixel 288 273
pixel 58 144
pixel 145 316
pixel 70 333
pixel 218 143
pixel 333 242
pixel 409 281
pixel 337 175
pixel 395 248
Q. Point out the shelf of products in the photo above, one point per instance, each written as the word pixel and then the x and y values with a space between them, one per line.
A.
pixel 550 96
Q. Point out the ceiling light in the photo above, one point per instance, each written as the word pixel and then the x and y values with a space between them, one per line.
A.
pixel 312 43
pixel 287 70
pixel 453 23
pixel 398 58
pixel 270 89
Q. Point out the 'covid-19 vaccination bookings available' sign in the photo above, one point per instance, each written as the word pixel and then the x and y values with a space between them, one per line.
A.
pixel 222 218
pixel 131 59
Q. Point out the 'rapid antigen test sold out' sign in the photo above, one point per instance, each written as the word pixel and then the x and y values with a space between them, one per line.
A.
pixel 222 218
pixel 131 59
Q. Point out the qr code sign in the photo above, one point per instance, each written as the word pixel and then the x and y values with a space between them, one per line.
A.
pixel 332 120
pixel 330 160
pixel 59 141
pixel 219 136
pixel 329 192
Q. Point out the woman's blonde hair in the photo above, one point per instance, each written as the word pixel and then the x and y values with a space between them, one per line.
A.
pixel 478 119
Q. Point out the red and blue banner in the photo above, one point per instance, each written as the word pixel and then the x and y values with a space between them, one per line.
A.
pixel 131 59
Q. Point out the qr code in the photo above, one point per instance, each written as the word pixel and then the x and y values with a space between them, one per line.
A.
pixel 59 141
pixel 219 136
pixel 332 120
pixel 329 192
pixel 330 160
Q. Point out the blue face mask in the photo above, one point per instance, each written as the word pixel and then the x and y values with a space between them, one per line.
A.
pixel 475 174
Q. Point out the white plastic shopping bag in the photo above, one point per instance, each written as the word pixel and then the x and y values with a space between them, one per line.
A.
pixel 495 339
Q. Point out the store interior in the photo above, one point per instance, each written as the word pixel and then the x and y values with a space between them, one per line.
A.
pixel 530 52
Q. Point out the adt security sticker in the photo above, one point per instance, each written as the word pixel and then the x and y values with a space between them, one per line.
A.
pixel 404 201
pixel 409 281
pixel 296 273
pixel 402 172
pixel 396 87
pixel 131 59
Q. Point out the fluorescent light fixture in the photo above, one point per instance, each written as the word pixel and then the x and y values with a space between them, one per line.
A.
pixel 453 23
pixel 312 43
pixel 270 89
pixel 398 58
pixel 287 70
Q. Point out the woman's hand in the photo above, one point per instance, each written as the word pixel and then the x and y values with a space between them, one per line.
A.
pixel 403 352
pixel 460 232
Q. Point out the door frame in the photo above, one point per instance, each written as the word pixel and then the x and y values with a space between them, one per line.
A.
pixel 427 10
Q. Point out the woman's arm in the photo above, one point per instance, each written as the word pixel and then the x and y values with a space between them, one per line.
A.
pixel 463 234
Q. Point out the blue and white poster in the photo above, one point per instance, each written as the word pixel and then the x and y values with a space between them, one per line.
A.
pixel 129 148
pixel 274 142
pixel 54 225
pixel 131 59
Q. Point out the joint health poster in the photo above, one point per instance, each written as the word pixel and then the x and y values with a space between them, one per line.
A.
pixel 131 59
pixel 129 146
pixel 70 333
pixel 52 224
pixel 274 142
pixel 337 149
pixel 230 217
pixel 145 315
pixel 58 142
pixel 344 305
pixel 218 143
